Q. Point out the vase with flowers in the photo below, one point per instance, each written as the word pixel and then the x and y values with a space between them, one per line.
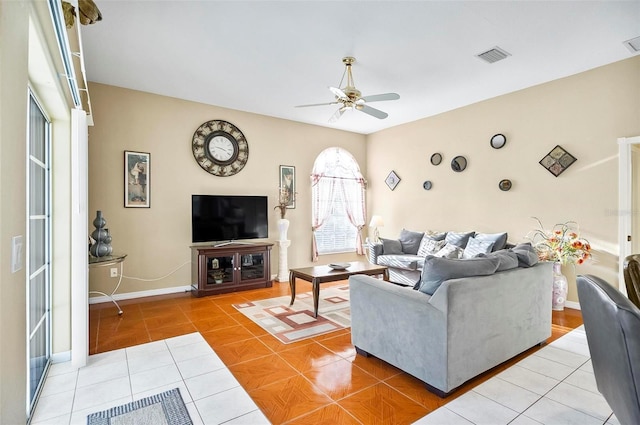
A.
pixel 285 199
pixel 562 245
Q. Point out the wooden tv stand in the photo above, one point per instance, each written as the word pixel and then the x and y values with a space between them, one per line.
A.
pixel 230 267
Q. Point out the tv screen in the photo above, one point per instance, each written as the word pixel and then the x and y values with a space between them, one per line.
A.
pixel 227 218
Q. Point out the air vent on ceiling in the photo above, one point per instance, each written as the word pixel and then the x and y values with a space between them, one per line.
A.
pixel 493 55
pixel 633 44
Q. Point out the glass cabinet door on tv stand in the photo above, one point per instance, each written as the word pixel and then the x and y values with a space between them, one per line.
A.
pixel 230 268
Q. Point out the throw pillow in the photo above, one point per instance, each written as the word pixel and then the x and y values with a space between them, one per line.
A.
pixel 527 255
pixel 508 259
pixel 439 236
pixel 449 251
pixel 436 270
pixel 499 239
pixel 429 246
pixel 458 238
pixel 410 241
pixel 475 247
pixel 391 246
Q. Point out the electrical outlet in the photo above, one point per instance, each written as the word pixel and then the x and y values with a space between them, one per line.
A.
pixel 114 272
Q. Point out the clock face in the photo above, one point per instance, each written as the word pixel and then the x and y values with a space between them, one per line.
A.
pixel 220 148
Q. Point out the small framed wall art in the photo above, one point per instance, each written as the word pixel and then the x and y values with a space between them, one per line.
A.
pixel 288 185
pixel 137 173
pixel 557 160
pixel 392 180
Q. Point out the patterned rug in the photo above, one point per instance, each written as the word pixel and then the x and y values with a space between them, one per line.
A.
pixel 295 323
pixel 160 409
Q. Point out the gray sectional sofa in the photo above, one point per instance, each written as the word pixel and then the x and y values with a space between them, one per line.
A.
pixel 462 320
pixel 404 256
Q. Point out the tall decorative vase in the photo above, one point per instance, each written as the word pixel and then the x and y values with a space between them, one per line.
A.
pixel 102 245
pixel 283 228
pixel 560 288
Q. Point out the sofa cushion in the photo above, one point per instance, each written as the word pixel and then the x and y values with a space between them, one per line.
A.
pixel 499 239
pixel 436 270
pixel 410 241
pixel 508 259
pixel 475 247
pixel 391 246
pixel 402 261
pixel 458 238
pixel 430 246
pixel 527 255
pixel 450 251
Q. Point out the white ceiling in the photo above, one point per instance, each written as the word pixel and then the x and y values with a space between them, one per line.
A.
pixel 268 56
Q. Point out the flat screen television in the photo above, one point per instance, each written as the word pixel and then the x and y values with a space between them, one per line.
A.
pixel 217 218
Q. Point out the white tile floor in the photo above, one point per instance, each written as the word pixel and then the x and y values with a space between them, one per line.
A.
pixel 211 393
pixel 554 386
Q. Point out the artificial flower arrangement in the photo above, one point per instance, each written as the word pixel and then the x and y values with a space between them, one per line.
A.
pixel 561 244
pixel 285 198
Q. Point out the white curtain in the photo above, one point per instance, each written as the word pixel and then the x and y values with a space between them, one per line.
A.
pixel 335 169
pixel 353 191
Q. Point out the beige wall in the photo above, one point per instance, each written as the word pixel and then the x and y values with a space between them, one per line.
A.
pixel 584 113
pixel 29 58
pixel 14 29
pixel 157 239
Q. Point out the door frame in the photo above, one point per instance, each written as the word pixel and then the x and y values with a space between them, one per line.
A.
pixel 625 203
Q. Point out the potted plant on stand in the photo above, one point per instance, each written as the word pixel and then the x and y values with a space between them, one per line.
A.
pixel 562 245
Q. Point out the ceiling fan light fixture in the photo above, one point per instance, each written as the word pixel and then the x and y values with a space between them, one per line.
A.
pixel 351 98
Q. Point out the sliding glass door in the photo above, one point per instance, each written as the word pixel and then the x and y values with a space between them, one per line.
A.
pixel 38 249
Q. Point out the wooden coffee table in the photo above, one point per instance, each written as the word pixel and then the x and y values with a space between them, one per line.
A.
pixel 320 274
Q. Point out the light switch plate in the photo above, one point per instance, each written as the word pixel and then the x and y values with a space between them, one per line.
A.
pixel 16 253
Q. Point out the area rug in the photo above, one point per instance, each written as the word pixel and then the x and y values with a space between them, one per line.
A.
pixel 295 323
pixel 166 408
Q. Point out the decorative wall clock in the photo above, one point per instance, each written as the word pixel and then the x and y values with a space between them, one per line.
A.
pixel 220 148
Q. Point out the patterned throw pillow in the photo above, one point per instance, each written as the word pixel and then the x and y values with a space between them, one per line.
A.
pixel 430 246
pixel 475 247
pixel 450 251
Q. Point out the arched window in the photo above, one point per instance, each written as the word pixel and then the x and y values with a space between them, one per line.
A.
pixel 338 209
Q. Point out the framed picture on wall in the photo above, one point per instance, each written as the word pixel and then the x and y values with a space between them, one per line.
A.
pixel 288 185
pixel 136 179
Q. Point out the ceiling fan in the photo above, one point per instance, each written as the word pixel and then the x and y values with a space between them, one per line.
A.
pixel 350 98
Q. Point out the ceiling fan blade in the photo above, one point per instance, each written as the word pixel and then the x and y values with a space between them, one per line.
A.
pixel 338 92
pixel 380 97
pixel 336 116
pixel 372 111
pixel 316 104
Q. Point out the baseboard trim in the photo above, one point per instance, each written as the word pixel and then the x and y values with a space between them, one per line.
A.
pixel 140 294
pixel 572 304
pixel 62 357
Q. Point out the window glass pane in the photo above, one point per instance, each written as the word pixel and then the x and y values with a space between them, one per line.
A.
pixel 37 244
pixel 38 299
pixel 337 234
pixel 38 358
pixel 37 187
pixel 37 132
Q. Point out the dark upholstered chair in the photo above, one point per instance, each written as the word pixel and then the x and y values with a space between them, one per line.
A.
pixel 632 278
pixel 612 325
